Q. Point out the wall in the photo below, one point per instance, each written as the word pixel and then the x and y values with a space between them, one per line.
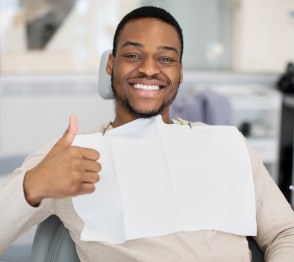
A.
pixel 262 35
pixel 35 110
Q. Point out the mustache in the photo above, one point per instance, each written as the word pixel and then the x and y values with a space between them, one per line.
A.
pixel 139 76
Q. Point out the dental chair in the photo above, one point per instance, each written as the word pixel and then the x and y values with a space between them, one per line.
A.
pixel 52 242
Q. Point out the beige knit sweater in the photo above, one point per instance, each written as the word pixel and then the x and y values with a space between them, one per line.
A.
pixel 275 226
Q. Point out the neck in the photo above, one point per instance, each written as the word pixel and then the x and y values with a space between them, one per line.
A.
pixel 121 119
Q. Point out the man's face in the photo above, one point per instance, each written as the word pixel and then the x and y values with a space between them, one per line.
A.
pixel 146 70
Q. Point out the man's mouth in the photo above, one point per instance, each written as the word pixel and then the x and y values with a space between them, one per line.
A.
pixel 146 87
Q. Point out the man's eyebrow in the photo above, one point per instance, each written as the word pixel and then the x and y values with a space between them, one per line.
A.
pixel 168 48
pixel 136 44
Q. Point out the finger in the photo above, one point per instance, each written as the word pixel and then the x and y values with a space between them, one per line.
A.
pixel 91 166
pixel 70 133
pixel 90 154
pixel 87 188
pixel 91 177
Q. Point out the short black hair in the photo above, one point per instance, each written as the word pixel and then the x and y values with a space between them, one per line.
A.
pixel 149 12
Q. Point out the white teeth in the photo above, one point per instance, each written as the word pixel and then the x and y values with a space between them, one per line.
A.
pixel 146 87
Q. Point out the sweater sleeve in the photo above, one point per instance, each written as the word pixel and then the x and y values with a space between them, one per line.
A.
pixel 274 215
pixel 17 215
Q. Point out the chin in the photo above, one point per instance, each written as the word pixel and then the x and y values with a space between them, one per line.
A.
pixel 140 113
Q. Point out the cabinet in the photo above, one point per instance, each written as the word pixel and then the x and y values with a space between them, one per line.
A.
pixel 256 111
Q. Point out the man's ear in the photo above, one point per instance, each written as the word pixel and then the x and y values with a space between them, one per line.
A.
pixel 109 65
pixel 181 73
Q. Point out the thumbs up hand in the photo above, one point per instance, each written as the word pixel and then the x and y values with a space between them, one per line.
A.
pixel 66 171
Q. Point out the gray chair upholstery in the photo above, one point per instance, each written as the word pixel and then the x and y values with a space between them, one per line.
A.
pixel 104 80
pixel 257 254
pixel 52 243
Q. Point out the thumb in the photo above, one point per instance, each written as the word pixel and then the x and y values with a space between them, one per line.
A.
pixel 70 133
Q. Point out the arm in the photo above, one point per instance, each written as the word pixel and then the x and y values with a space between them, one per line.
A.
pixel 275 217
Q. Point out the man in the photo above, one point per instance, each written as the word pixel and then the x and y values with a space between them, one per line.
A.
pixel 146 70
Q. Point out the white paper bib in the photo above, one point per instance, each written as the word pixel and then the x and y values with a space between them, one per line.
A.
pixel 158 179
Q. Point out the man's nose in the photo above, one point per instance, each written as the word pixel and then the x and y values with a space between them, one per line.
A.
pixel 149 67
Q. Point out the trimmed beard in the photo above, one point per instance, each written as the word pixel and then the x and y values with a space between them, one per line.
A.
pixel 125 102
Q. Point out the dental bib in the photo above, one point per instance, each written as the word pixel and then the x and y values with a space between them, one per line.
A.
pixel 158 179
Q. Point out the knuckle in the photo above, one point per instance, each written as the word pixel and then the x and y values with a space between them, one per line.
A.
pixel 74 151
pixel 73 189
pixel 74 164
pixel 75 185
pixel 76 178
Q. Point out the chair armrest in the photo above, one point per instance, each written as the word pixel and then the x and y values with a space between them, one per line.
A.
pixel 52 242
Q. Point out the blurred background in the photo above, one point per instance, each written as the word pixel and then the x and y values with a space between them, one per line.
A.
pixel 238 70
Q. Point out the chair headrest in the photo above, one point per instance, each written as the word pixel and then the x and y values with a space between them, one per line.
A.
pixel 104 80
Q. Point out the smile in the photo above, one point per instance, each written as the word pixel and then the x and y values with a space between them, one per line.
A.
pixel 146 87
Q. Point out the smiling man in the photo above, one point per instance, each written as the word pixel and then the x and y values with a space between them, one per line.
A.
pixel 146 67
pixel 146 71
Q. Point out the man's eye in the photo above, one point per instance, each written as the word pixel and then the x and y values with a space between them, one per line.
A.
pixel 166 60
pixel 133 57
